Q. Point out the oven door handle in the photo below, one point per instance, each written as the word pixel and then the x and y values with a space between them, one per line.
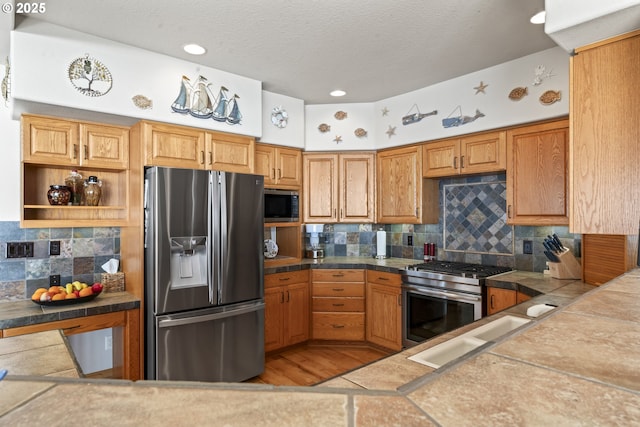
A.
pixel 448 295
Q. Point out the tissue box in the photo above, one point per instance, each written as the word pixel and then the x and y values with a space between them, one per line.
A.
pixel 113 282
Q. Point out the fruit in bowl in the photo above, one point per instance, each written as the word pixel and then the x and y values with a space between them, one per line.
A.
pixel 70 291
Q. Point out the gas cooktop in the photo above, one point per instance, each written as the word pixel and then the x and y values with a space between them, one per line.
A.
pixel 459 269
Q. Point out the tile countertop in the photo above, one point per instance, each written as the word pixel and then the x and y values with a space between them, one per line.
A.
pixel 23 313
pixel 576 365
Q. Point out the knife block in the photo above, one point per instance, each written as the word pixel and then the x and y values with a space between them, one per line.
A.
pixel 567 268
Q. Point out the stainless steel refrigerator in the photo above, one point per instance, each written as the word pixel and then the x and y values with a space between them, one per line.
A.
pixel 204 291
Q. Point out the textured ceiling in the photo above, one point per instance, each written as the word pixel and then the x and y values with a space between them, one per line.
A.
pixel 373 49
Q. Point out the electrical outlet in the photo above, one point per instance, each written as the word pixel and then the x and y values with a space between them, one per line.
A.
pixel 19 250
pixel 409 240
pixel 54 280
pixel 54 247
pixel 527 247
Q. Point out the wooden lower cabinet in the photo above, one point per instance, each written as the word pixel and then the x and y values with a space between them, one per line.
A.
pixel 384 309
pixel 286 315
pixel 500 299
pixel 126 337
pixel 338 304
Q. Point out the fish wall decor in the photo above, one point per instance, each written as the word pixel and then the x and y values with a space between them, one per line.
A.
pixel 460 120
pixel 142 102
pixel 550 97
pixel 518 93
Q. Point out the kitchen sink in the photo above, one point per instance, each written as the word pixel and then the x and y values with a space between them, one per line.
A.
pixel 454 348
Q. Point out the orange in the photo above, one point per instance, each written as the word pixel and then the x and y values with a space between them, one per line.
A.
pixel 57 297
pixel 86 292
pixel 54 289
pixel 36 295
pixel 71 296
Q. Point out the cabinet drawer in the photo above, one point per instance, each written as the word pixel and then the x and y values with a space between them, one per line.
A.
pixel 337 275
pixel 279 279
pixel 338 326
pixel 338 290
pixel 384 278
pixel 339 304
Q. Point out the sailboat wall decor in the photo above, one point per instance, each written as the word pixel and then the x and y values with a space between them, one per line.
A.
pixel 198 100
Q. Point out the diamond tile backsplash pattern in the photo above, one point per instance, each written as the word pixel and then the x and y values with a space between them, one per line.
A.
pixel 475 218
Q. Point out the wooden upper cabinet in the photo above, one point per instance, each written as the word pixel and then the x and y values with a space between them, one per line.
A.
pixel 339 187
pixel 481 153
pixel 280 166
pixel 537 164
pixel 104 146
pixel 320 193
pixel 184 147
pixel 67 142
pixel 604 113
pixel 356 172
pixel 173 146
pixel 402 195
pixel 231 153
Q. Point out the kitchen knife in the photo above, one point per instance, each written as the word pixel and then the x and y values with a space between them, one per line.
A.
pixel 548 246
pixel 551 256
pixel 557 240
pixel 552 242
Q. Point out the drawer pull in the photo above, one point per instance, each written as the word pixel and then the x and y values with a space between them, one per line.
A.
pixel 338 275
pixel 338 305
pixel 283 279
pixel 337 326
pixel 338 289
pixel 383 278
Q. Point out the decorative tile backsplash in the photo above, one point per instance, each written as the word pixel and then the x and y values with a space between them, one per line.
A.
pixel 82 253
pixel 475 218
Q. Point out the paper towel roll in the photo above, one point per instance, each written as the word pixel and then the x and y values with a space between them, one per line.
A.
pixel 381 248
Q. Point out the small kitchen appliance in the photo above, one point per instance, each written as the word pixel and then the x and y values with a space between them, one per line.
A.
pixel 314 249
pixel 440 296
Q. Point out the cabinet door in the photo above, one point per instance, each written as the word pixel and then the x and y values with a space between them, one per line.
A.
pixel 320 188
pixel 500 299
pixel 274 318
pixel 399 186
pixel 441 158
pixel 483 153
pixel 604 135
pixel 104 146
pixel 265 163
pixel 537 174
pixel 297 316
pixel 289 167
pixel 384 316
pixel 356 188
pixel 49 141
pixel 230 153
pixel 173 146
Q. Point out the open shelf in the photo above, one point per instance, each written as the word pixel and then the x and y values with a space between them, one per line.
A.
pixel 288 239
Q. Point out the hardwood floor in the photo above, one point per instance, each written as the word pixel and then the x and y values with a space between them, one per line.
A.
pixel 310 364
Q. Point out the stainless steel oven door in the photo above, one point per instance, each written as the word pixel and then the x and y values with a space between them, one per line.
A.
pixel 428 312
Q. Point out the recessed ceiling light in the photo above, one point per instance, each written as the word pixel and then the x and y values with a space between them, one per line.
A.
pixel 338 92
pixel 538 18
pixel 194 49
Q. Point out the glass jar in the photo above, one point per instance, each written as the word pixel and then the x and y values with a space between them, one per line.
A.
pixel 58 195
pixel 76 184
pixel 92 191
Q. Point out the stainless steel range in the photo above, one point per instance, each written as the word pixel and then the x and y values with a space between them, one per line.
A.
pixel 440 296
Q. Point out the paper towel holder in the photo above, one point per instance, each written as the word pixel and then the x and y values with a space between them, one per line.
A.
pixel 381 245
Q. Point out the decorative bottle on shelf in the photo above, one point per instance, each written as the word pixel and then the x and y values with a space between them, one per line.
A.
pixel 92 191
pixel 76 184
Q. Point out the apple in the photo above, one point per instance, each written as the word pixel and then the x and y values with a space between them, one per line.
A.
pixel 97 288
pixel 77 293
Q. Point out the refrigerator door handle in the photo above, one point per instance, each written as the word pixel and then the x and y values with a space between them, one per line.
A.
pixel 168 323
pixel 211 245
pixel 222 232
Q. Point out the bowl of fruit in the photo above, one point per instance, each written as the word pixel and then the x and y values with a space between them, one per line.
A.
pixel 71 293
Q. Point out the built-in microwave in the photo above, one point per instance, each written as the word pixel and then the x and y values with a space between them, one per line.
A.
pixel 281 205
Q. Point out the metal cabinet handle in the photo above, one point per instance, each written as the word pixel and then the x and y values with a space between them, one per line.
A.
pixel 210 158
pixel 86 152
pixel 288 296
pixel 338 305
pixel 491 301
pixel 283 279
pixel 335 212
pixel 382 278
pixel 273 173
pixel 338 275
pixel 337 326
pixel 75 151
pixel 400 300
pixel 202 157
pixel 461 162
pixel 279 173
pixel 455 163
pixel 338 289
pixel 341 213
pixel 509 211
